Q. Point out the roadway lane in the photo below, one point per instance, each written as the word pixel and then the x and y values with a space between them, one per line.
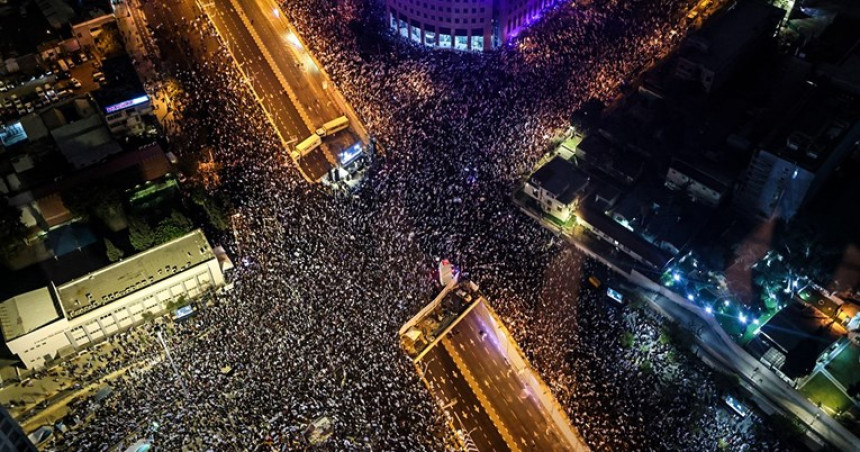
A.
pixel 522 403
pixel 713 340
pixel 453 392
pixel 292 61
pixel 283 113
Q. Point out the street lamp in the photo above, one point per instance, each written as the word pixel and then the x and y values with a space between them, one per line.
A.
pixel 172 363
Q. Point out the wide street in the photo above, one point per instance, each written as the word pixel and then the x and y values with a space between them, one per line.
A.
pixel 322 288
pixel 499 386
pixel 718 345
pixel 284 114
pixel 452 391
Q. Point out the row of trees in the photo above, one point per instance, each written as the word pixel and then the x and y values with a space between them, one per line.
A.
pixel 142 236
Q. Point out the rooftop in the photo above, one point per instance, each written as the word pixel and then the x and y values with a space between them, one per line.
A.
pixel 701 175
pixel 121 83
pixel 135 273
pixel 23 29
pixel 601 155
pixel 629 239
pixel 799 332
pixel 561 178
pixel 811 130
pixel 720 42
pixel 26 312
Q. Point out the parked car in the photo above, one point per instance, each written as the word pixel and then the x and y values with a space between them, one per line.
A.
pixel 76 83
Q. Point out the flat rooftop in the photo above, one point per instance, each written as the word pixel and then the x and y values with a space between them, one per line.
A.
pixel 812 130
pixel 561 178
pixel 142 270
pixel 121 83
pixel 730 34
pixel 26 312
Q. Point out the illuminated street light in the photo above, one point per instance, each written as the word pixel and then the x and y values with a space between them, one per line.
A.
pixel 742 318
pixel 690 297
pixel 709 310
pixel 293 40
pixel 676 276
pixel 276 12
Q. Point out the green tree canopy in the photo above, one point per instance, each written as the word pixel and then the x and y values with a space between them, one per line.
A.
pixel 113 253
pixel 216 208
pixel 12 231
pixel 105 202
pixel 174 226
pixel 140 234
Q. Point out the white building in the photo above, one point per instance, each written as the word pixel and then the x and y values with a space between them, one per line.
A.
pixel 700 186
pixel 41 325
pixel 557 186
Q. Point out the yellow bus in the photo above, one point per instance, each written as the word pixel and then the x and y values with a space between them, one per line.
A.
pixel 333 126
pixel 309 144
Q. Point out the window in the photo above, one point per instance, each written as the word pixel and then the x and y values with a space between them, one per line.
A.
pixel 477 42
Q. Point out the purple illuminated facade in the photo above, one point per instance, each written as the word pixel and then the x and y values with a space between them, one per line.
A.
pixel 475 25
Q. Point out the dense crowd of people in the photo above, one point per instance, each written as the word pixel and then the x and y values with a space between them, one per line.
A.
pixel 323 283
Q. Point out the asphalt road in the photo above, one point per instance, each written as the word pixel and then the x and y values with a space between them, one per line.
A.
pixel 292 61
pixel 509 385
pixel 719 346
pixel 283 113
pixel 452 391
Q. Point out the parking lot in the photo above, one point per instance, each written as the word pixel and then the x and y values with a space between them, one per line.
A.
pixel 22 94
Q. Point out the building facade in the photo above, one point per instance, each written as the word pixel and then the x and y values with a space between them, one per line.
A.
pixel 557 187
pixel 12 438
pixel 45 324
pixel 699 186
pixel 791 166
pixel 475 25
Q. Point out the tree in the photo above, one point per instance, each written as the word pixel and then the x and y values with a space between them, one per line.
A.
pixel 105 202
pixel 140 234
pixel 216 209
pixel 804 250
pixel 108 206
pixel 174 226
pixel 12 231
pixel 627 339
pixel 113 253
pixel 787 427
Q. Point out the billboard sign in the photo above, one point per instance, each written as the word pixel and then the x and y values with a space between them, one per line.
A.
pixel 127 104
pixel 350 154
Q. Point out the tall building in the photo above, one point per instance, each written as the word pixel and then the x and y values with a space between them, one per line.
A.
pixel 712 55
pixel 790 167
pixel 12 438
pixel 476 25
